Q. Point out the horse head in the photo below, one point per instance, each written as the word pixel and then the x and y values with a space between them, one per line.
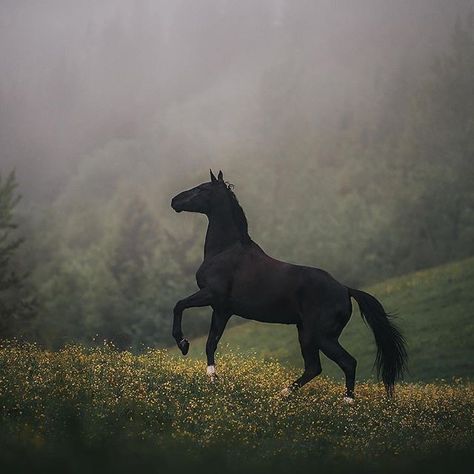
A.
pixel 202 198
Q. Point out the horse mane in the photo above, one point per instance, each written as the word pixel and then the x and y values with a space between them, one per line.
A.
pixel 238 215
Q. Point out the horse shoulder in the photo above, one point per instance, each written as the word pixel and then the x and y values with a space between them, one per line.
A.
pixel 217 271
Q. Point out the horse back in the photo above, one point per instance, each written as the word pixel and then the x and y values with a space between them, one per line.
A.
pixel 270 290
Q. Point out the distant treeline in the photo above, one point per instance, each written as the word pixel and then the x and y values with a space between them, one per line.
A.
pixel 364 196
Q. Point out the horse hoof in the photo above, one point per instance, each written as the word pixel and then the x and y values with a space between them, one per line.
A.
pixel 184 346
pixel 211 373
pixel 286 392
pixel 348 400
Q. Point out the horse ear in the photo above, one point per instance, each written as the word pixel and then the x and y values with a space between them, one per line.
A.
pixel 220 176
pixel 213 178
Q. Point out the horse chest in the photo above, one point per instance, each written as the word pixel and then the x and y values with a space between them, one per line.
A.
pixel 214 275
pixel 201 276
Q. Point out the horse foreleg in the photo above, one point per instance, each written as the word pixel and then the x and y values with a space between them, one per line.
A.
pixel 218 324
pixel 199 299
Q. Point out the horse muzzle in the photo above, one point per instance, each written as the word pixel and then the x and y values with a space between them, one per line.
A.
pixel 176 205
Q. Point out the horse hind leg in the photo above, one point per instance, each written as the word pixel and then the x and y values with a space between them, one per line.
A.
pixel 334 351
pixel 312 362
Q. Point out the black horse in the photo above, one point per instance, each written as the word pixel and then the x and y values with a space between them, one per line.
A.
pixel 238 277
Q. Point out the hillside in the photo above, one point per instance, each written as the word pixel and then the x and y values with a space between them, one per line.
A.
pixel 434 309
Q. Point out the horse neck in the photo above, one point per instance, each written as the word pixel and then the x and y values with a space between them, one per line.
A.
pixel 222 232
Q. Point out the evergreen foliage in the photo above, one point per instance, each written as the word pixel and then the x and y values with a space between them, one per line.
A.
pixel 16 308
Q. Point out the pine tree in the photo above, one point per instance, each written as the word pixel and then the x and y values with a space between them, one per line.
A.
pixel 15 308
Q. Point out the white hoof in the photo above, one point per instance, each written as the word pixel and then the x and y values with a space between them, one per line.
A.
pixel 211 373
pixel 211 370
pixel 286 392
pixel 348 400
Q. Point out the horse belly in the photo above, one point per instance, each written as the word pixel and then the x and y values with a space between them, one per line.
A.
pixel 275 310
pixel 266 290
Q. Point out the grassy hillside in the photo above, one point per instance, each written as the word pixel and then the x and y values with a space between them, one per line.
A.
pixel 435 311
pixel 99 410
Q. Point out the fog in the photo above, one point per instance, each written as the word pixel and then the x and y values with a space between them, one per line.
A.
pixel 212 76
pixel 346 127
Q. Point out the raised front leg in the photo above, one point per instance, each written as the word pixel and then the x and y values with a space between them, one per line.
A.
pixel 218 323
pixel 197 300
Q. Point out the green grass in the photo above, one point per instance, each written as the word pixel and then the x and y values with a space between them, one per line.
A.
pixel 99 410
pixel 435 309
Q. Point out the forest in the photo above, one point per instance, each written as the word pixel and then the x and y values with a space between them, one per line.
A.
pixel 350 146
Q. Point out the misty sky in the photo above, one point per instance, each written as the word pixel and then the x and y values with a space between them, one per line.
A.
pixel 193 81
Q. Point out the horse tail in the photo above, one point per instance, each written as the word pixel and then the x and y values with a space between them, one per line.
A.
pixel 391 351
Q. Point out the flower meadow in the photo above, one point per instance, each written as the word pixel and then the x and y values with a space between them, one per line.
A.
pixel 81 407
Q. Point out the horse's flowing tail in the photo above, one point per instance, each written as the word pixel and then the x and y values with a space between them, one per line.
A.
pixel 391 352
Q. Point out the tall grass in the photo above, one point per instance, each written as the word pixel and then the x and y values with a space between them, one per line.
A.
pixel 80 407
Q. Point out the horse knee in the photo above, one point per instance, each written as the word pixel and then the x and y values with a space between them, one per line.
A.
pixel 178 308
